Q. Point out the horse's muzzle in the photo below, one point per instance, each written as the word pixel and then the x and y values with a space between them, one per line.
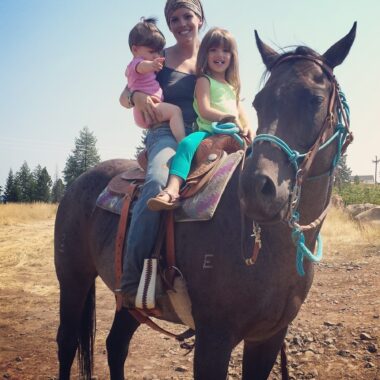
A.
pixel 263 195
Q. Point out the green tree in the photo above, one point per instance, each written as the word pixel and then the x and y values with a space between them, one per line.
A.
pixel 25 182
pixel 342 173
pixel 83 157
pixel 42 184
pixel 11 192
pixel 57 191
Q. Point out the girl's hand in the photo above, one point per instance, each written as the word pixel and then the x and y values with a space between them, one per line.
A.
pixel 158 63
pixel 248 132
pixel 146 105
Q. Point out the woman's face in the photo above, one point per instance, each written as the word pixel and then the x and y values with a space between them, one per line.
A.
pixel 184 24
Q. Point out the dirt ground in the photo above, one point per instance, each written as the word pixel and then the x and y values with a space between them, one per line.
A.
pixel 335 336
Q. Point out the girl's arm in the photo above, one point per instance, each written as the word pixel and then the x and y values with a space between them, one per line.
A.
pixel 145 67
pixel 202 94
pixel 244 123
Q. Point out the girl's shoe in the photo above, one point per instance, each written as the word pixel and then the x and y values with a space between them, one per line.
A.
pixel 161 202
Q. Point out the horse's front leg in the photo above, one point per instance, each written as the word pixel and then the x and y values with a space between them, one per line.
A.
pixel 213 347
pixel 259 358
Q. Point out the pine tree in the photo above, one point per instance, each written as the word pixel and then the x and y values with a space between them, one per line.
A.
pixel 342 172
pixel 25 182
pixel 83 157
pixel 11 192
pixel 42 184
pixel 57 191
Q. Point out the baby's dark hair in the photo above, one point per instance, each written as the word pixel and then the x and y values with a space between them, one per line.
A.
pixel 146 33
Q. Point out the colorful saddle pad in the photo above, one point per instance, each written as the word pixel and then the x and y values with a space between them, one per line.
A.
pixel 197 208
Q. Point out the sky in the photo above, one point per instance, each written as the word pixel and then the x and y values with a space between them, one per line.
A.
pixel 62 68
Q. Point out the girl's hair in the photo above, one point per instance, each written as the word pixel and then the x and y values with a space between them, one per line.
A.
pixel 146 33
pixel 217 37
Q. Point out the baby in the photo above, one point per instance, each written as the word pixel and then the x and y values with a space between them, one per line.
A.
pixel 146 43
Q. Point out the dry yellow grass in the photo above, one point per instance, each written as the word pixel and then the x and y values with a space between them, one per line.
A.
pixel 14 213
pixel 340 232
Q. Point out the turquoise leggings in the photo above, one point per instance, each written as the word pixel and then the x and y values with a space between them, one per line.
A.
pixel 181 162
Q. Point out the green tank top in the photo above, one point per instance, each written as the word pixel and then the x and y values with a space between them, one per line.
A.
pixel 222 98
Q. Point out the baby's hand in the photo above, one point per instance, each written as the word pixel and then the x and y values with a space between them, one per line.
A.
pixel 158 63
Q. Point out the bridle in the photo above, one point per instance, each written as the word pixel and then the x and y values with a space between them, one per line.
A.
pixel 343 137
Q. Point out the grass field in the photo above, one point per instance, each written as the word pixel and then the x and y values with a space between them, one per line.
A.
pixel 12 213
pixel 323 342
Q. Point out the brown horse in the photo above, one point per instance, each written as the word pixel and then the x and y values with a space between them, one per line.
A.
pixel 231 302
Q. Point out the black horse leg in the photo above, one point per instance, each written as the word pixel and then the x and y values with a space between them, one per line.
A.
pixel 213 349
pixel 72 303
pixel 123 327
pixel 259 358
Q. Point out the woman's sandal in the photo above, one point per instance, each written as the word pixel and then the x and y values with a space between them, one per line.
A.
pixel 158 203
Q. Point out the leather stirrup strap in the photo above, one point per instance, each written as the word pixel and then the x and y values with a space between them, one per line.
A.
pixel 141 318
pixel 120 238
pixel 170 248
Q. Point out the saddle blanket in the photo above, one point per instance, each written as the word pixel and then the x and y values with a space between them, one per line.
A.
pixel 200 207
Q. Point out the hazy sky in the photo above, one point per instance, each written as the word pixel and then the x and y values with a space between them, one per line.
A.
pixel 62 67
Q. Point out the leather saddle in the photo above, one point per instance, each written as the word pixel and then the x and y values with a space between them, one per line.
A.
pixel 209 154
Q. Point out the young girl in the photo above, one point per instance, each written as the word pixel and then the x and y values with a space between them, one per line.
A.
pixel 146 43
pixel 216 98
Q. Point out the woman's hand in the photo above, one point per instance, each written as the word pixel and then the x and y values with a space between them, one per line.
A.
pixel 146 105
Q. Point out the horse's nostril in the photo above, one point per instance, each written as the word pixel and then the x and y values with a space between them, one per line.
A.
pixel 268 188
pixel 265 187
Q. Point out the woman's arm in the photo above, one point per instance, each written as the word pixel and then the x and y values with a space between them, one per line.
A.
pixel 202 94
pixel 126 98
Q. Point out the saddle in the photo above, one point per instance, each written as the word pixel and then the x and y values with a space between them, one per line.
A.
pixel 208 155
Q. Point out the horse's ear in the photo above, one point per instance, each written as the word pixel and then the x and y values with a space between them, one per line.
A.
pixel 339 51
pixel 268 55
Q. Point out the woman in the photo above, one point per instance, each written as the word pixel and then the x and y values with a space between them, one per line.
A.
pixel 177 80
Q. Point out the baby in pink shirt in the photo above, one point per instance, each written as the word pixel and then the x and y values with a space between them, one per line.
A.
pixel 146 43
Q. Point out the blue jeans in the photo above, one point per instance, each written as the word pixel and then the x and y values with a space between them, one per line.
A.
pixel 161 146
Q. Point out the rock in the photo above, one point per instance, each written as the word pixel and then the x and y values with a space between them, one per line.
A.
pixel 329 324
pixel 365 336
pixel 369 365
pixel 372 348
pixel 370 216
pixel 18 359
pixel 181 368
pixel 344 353
pixel 356 209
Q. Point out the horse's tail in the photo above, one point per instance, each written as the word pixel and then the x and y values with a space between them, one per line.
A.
pixel 86 337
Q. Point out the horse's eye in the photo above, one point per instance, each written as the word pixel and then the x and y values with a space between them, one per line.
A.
pixel 316 101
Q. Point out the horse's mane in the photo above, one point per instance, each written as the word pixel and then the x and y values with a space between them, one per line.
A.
pixel 285 52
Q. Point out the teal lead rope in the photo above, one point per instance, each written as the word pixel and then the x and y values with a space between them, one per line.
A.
pixel 228 129
pixel 302 251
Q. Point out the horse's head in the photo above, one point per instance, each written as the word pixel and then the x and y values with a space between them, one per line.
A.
pixel 297 111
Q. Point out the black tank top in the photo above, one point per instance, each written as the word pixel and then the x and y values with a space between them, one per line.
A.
pixel 178 89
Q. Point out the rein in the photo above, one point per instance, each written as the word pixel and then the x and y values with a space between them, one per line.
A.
pixel 343 138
